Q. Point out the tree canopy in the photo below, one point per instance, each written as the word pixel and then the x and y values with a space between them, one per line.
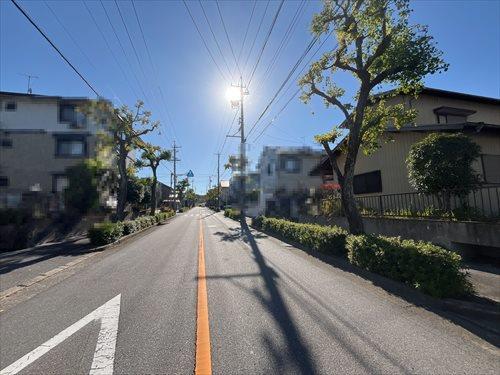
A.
pixel 377 46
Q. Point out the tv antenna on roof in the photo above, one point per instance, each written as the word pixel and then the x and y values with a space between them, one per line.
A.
pixel 30 76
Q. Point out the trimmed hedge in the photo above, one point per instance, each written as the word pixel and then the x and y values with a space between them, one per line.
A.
pixel 107 232
pixel 422 265
pixel 104 233
pixel 232 213
pixel 321 238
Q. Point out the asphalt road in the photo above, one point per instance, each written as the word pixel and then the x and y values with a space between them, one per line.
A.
pixel 271 307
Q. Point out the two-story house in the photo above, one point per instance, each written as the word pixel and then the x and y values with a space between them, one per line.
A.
pixel 385 171
pixel 40 137
pixel 284 180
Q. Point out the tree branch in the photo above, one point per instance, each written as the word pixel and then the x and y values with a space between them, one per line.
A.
pixel 332 100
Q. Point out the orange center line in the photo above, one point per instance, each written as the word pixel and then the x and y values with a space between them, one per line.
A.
pixel 203 363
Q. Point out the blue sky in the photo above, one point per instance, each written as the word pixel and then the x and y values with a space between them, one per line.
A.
pixel 183 87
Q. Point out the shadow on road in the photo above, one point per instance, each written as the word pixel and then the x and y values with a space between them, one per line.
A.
pixel 19 259
pixel 297 351
pixel 476 314
pixel 332 321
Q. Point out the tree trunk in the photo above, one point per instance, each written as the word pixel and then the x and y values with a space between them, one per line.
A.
pixel 351 211
pixel 122 191
pixel 153 194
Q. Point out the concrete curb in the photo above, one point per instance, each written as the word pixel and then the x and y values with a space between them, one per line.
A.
pixel 92 252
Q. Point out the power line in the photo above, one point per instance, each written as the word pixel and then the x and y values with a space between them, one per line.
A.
pixel 109 48
pixel 265 41
pixel 132 44
pixel 122 48
pixel 308 48
pixel 144 40
pixel 215 38
pixel 204 42
pixel 53 45
pixel 227 36
pixel 296 92
pixel 246 31
pixel 70 36
pixel 284 42
pixel 164 107
pixel 256 34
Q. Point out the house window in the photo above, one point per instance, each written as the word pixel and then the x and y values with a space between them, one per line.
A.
pixel 290 164
pixel 71 146
pixel 4 181
pixel 451 115
pixel 366 183
pixel 69 114
pixel 10 106
pixel 491 172
pixel 269 171
pixel 7 143
pixel 66 113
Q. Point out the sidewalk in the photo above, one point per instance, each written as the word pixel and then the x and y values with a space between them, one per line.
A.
pixel 21 265
pixel 486 280
pixel 480 313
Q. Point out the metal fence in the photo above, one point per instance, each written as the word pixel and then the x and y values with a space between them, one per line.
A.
pixel 483 203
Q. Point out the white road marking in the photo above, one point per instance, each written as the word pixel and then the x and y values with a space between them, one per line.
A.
pixel 104 355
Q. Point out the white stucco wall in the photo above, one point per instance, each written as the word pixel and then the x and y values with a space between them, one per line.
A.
pixel 36 114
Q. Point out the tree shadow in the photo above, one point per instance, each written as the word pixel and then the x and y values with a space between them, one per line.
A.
pixel 478 315
pixel 15 260
pixel 330 321
pixel 298 352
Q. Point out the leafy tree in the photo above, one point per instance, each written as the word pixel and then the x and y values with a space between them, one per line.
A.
pixel 211 197
pixel 151 157
pixel 191 197
pixel 441 164
pixel 181 189
pixel 135 191
pixel 377 46
pixel 123 129
pixel 82 193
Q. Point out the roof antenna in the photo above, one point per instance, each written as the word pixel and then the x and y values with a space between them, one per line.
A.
pixel 30 76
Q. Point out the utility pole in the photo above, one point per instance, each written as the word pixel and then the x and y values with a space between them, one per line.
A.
pixel 175 175
pixel 218 180
pixel 235 103
pixel 242 150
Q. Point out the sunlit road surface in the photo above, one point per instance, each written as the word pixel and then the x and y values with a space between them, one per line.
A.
pixel 268 308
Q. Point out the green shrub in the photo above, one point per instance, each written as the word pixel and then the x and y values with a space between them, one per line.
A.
pixel 422 265
pixel 232 213
pixel 257 221
pixel 162 216
pixel 130 227
pixel 105 233
pixel 326 239
pixel 144 222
